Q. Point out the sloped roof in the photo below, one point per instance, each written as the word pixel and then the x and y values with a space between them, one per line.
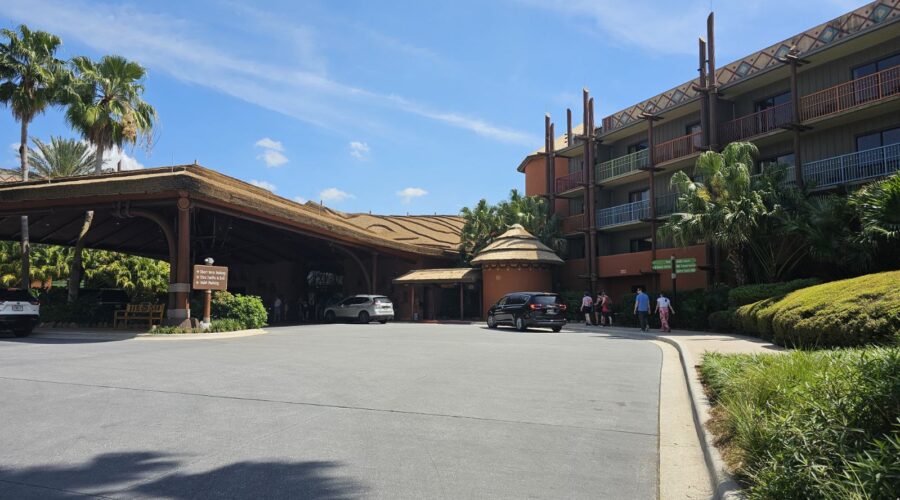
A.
pixel 517 245
pixel 457 275
pixel 437 231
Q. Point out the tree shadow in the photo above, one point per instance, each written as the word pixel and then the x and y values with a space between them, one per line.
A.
pixel 157 475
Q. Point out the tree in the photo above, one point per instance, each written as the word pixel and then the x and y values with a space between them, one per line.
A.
pixel 141 277
pixel 106 106
pixel 720 208
pixel 878 206
pixel 60 158
pixel 48 263
pixel 31 77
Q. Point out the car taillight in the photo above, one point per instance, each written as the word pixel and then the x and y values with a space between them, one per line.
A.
pixel 535 307
pixel 562 307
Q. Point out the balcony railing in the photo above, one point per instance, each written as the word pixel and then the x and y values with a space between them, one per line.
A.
pixel 573 224
pixel 677 148
pixel 759 123
pixel 854 167
pixel 623 165
pixel 848 95
pixel 569 182
pixel 635 211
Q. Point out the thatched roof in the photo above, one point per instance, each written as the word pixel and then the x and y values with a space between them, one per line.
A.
pixel 438 231
pixel 424 276
pixel 517 245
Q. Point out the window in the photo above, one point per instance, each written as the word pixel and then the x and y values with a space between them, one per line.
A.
pixel 638 146
pixel 502 302
pixel 639 245
pixel 636 196
pixel 878 139
pixel 773 161
pixel 547 300
pixel 576 165
pixel 874 67
pixel 576 206
pixel 771 102
pixel 693 128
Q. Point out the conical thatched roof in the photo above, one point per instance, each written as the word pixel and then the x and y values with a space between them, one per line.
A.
pixel 517 245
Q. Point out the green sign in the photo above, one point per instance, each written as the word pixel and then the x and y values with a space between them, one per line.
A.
pixel 679 270
pixel 664 264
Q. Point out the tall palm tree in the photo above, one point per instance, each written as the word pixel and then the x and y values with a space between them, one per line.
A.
pixel 721 209
pixel 60 158
pixel 31 76
pixel 107 106
pixel 878 206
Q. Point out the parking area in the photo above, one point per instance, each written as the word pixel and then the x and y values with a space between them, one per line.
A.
pixel 333 411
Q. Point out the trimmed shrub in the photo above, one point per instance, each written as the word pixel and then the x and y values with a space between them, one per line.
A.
pixel 721 321
pixel 248 310
pixel 851 312
pixel 809 424
pixel 748 294
pixel 225 325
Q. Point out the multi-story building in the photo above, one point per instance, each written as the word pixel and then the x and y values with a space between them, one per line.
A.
pixel 826 102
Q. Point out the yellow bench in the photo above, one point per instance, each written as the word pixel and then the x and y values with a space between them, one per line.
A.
pixel 149 313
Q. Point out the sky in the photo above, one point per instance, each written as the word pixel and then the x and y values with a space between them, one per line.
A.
pixel 392 107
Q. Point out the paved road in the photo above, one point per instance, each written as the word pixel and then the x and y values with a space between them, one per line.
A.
pixel 337 411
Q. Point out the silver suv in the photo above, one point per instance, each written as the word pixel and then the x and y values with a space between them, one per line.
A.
pixel 19 311
pixel 362 308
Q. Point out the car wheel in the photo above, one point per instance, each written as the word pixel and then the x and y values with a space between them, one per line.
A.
pixel 556 329
pixel 329 317
pixel 491 322
pixel 520 324
pixel 382 321
pixel 364 317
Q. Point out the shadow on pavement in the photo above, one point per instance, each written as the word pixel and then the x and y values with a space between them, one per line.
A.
pixel 157 475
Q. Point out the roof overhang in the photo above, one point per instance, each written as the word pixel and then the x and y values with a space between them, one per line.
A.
pixel 439 276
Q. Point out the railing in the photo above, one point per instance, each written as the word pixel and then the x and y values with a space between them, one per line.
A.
pixel 677 148
pixel 869 88
pixel 623 165
pixel 569 182
pixel 755 124
pixel 635 211
pixel 573 224
pixel 853 167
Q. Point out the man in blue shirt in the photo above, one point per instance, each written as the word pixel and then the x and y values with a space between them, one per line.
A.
pixel 642 308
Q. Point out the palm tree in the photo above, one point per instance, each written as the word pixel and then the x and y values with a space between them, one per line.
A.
pixel 31 76
pixel 60 158
pixel 878 206
pixel 720 209
pixel 480 225
pixel 106 106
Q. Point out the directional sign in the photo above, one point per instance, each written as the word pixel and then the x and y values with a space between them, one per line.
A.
pixel 681 265
pixel 210 277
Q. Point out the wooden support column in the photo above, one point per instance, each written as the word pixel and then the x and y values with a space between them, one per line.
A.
pixel 182 311
pixel 412 302
pixel 374 289
pixel 462 303
pixel 592 193
pixel 569 136
pixel 550 169
pixel 793 60
pixel 704 99
pixel 713 94
pixel 651 171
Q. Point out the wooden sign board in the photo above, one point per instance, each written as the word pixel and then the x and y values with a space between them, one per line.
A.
pixel 210 277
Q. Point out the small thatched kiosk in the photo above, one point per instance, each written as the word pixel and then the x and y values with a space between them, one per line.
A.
pixel 516 261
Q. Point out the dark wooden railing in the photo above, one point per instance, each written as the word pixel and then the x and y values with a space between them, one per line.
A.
pixel 848 95
pixel 569 182
pixel 754 124
pixel 677 148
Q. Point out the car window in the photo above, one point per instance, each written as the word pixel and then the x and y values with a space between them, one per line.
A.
pixel 359 300
pixel 545 299
pixel 503 301
pixel 15 295
pixel 347 301
pixel 382 300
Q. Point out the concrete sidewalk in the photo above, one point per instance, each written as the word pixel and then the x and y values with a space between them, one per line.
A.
pixel 695 342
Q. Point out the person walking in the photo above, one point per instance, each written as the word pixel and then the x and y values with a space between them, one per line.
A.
pixel 276 310
pixel 664 308
pixel 642 309
pixel 605 309
pixel 587 308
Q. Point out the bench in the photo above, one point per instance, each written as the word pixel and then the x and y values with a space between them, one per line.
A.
pixel 148 313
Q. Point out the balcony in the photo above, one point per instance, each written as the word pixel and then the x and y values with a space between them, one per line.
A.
pixel 680 147
pixel 637 211
pixel 573 224
pixel 853 94
pixel 570 182
pixel 756 124
pixel 623 165
pixel 852 168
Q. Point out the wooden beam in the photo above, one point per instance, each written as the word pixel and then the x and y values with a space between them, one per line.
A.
pixel 60 227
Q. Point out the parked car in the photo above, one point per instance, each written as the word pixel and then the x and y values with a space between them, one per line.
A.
pixel 528 309
pixel 19 311
pixel 362 308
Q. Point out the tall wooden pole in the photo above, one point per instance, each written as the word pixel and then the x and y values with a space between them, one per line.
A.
pixel 797 120
pixel 592 192
pixel 551 168
pixel 713 86
pixel 569 137
pixel 548 156
pixel 182 310
pixel 704 99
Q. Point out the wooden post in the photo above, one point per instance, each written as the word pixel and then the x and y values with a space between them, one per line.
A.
pixel 462 303
pixel 182 311
pixel 713 94
pixel 569 136
pixel 374 273
pixel 412 302
pixel 704 99
pixel 592 196
pixel 207 306
pixel 795 108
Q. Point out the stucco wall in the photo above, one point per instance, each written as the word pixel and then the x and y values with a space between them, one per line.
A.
pixel 497 282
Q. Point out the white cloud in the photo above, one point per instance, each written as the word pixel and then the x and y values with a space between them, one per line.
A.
pixel 111 158
pixel 335 194
pixel 411 192
pixel 263 184
pixel 300 199
pixel 267 143
pixel 294 88
pixel 359 150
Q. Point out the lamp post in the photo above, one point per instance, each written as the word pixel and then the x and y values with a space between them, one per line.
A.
pixel 207 300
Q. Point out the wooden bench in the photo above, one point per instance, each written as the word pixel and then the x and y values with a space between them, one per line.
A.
pixel 148 313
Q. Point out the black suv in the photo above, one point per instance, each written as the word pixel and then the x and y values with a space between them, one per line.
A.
pixel 525 309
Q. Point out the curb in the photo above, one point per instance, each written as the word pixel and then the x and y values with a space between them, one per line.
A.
pixel 723 484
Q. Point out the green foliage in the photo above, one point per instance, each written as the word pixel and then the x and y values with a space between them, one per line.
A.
pixel 748 294
pixel 48 263
pixel 720 321
pixel 485 222
pixel 248 310
pixel 142 278
pixel 692 308
pixel 849 312
pixel 810 424
pixel 878 208
pixel 60 158
pixel 226 325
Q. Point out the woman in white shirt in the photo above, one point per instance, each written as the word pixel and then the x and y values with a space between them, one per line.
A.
pixel 663 308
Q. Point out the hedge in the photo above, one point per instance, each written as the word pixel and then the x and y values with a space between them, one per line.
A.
pixel 850 312
pixel 721 321
pixel 748 294
pixel 247 310
pixel 809 424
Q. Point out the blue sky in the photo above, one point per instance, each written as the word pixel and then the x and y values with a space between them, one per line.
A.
pixel 393 107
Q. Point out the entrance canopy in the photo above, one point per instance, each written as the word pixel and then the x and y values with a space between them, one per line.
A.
pixel 439 276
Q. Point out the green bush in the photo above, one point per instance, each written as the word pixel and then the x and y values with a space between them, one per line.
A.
pixel 809 424
pixel 248 310
pixel 720 321
pixel 225 325
pixel 851 312
pixel 748 294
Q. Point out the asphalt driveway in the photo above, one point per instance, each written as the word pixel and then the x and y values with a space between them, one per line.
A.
pixel 336 411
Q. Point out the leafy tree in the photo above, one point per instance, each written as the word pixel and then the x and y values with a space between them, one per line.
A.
pixel 60 158
pixel 106 106
pixel 141 277
pixel 721 208
pixel 878 206
pixel 830 227
pixel 31 76
pixel 47 263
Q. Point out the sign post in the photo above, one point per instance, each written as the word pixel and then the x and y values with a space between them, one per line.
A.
pixel 209 278
pixel 674 285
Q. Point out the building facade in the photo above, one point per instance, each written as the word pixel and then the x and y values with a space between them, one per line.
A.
pixel 826 102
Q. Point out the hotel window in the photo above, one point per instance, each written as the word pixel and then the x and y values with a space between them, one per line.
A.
pixel 878 139
pixel 874 67
pixel 576 165
pixel 771 102
pixel 636 196
pixel 639 245
pixel 638 146
pixel 786 159
pixel 576 206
